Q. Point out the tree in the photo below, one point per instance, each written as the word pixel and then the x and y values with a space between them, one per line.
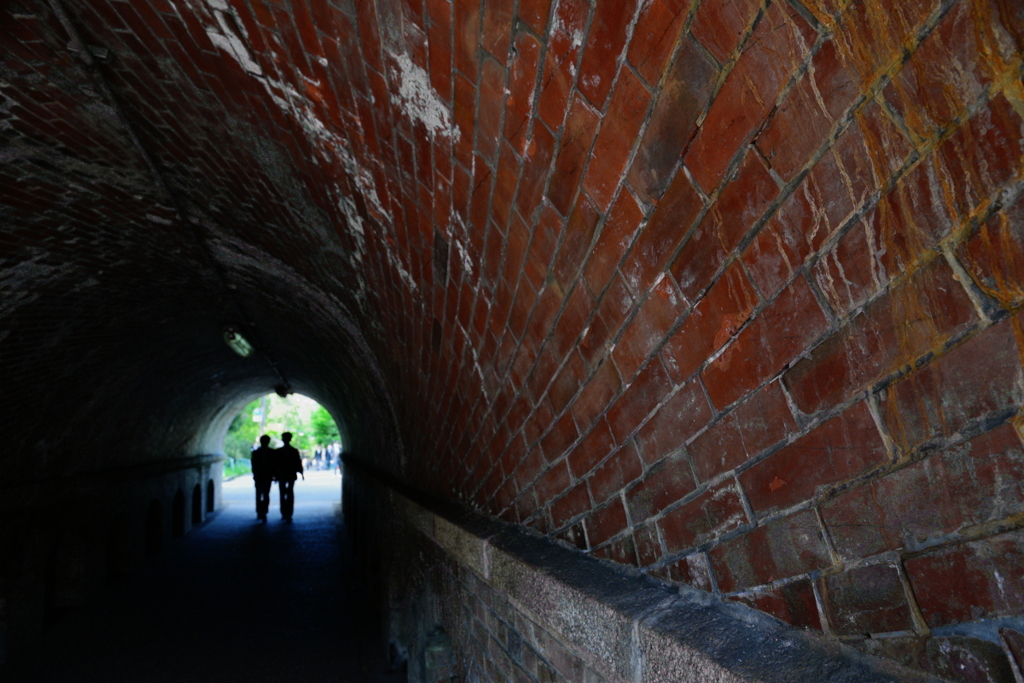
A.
pixel 322 427
pixel 242 433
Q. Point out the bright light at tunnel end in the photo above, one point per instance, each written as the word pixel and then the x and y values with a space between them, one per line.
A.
pixel 237 342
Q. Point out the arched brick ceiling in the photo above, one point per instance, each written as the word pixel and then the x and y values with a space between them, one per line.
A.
pixel 678 282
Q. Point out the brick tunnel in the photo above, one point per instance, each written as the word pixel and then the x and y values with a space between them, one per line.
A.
pixel 670 339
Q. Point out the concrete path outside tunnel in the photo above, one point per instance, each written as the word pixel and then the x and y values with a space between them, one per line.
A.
pixel 233 600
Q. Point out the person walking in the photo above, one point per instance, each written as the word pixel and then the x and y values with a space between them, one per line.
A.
pixel 263 474
pixel 289 463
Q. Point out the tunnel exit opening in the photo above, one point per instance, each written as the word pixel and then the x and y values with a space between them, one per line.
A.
pixel 314 433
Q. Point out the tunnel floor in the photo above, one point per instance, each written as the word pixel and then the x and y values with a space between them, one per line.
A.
pixel 233 600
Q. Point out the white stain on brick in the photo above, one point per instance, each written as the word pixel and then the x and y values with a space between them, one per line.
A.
pixel 415 93
pixel 419 101
pixel 558 29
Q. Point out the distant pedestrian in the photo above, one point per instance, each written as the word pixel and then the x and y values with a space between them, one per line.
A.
pixel 263 474
pixel 288 464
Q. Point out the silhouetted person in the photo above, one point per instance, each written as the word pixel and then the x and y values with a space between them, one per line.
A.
pixel 289 463
pixel 263 474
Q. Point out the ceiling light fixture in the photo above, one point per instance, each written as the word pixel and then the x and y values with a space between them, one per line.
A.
pixel 237 342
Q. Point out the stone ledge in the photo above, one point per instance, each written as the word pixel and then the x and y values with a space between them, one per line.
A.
pixel 628 627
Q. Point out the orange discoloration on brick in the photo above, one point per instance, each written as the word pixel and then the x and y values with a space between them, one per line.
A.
pixel 621 264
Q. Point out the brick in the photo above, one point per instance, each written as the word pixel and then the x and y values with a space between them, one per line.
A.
pixel 439 41
pixel 715 513
pixel 654 37
pixel 820 204
pixel 606 522
pixel 870 37
pixel 780 334
pixel 664 231
pixel 714 321
pixel 720 24
pixel 781 41
pixel 562 435
pixel 576 241
pixel 596 395
pixel 602 47
pixel 980 157
pixel 496 27
pixel 915 318
pixel 614 306
pixel 978 482
pixel 693 571
pixel 729 219
pixel 994 256
pixel 866 600
pixel 554 481
pixel 666 483
pixel 488 117
pixel 619 129
pixel 678 419
pixel 573 153
pixel 638 400
pixel 565 42
pixel 542 247
pixel 622 468
pixel 647 544
pixel 966 659
pixel 591 449
pixel 838 450
pixel 522 81
pixel 566 383
pixel 942 398
pixel 792 603
pixel 901 231
pixel 616 235
pixel 464 118
pixel 683 96
pixel 528 469
pixel 969 582
pixel 504 189
pixel 467 35
pixel 648 328
pixel 1014 643
pixel 535 169
pixel 810 112
pixel 571 505
pixel 787 547
pixel 753 426
pixel 572 323
pixel 535 13
pixel 947 73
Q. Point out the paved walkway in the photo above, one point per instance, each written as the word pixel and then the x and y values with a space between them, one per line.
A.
pixel 195 612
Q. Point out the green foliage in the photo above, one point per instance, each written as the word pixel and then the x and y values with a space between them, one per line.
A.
pixel 242 433
pixel 236 468
pixel 310 424
pixel 322 428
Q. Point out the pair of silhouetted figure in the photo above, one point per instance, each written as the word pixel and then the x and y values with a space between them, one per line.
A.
pixel 276 464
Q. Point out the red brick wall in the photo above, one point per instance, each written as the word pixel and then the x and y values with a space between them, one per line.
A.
pixel 730 292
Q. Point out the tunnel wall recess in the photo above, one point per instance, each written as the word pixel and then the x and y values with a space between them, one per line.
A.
pixel 63 541
pixel 726 292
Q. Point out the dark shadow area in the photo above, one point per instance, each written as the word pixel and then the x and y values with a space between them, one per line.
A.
pixel 178 515
pixel 154 530
pixel 233 600
pixel 197 505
